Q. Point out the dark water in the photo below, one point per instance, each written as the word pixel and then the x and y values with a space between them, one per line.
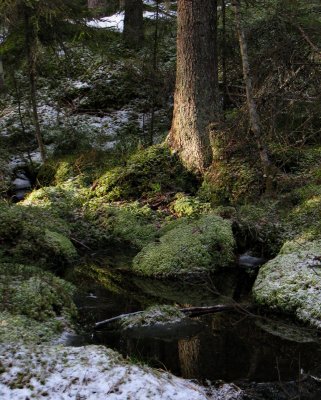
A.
pixel 231 346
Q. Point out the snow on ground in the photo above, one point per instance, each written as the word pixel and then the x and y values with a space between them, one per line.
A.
pixel 91 373
pixel 116 21
pixel 102 129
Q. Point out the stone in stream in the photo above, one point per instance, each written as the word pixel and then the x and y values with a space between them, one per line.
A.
pixel 247 261
pixel 291 282
pixel 21 185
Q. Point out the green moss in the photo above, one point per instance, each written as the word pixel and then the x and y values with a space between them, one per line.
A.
pixel 186 206
pixel 60 244
pixel 291 282
pixel 260 227
pixel 296 160
pixel 304 218
pixel 32 234
pixel 132 223
pixel 39 295
pixel 35 306
pixel 154 315
pixel 231 182
pixel 150 171
pixel 193 246
pixel 19 328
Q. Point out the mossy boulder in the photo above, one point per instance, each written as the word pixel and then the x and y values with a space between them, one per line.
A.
pixel 35 306
pixel 188 247
pixel 29 291
pixel 132 223
pixel 259 227
pixel 83 167
pixel 304 218
pixel 34 235
pixel 233 181
pixel 154 315
pixel 20 328
pixel 291 282
pixel 149 171
pixel 186 206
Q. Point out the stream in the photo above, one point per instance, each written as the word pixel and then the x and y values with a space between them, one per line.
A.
pixel 270 355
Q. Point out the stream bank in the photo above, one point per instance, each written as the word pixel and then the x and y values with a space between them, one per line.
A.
pixel 265 356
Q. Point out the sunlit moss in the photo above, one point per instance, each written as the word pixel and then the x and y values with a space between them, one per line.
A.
pixel 193 246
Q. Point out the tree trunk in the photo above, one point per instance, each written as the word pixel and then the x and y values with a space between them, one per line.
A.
pixel 1 74
pixel 196 102
pixel 252 107
pixel 224 56
pixel 96 3
pixel 153 88
pixel 133 23
pixel 31 58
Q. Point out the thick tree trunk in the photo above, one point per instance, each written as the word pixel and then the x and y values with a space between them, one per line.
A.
pixel 133 23
pixel 196 102
pixel 31 57
pixel 252 107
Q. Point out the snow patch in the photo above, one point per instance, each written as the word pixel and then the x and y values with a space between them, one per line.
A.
pixel 89 372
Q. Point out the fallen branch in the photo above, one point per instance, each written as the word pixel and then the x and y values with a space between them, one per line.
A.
pixel 190 312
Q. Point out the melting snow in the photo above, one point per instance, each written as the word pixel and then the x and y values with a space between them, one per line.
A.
pixel 90 372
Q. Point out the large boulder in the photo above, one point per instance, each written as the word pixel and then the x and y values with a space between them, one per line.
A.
pixel 291 282
pixel 191 246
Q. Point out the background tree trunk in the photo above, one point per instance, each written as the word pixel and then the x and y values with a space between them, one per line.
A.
pixel 251 103
pixel 196 102
pixel 31 39
pixel 1 74
pixel 133 23
pixel 96 4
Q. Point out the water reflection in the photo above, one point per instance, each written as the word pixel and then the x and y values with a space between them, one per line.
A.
pixel 227 346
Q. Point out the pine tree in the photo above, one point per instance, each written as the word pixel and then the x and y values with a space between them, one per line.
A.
pixel 196 101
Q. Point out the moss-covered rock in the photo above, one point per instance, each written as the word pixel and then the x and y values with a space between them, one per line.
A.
pixel 186 206
pixel 154 315
pixel 35 306
pixel 291 282
pixel 260 228
pixel 19 328
pixel 232 181
pixel 304 218
pixel 150 171
pixel 34 235
pixel 190 246
pixel 29 291
pixel 132 223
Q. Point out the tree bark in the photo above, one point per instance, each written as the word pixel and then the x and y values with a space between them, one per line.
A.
pixel 196 101
pixel 224 56
pixel 1 74
pixel 252 107
pixel 96 4
pixel 31 59
pixel 133 23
